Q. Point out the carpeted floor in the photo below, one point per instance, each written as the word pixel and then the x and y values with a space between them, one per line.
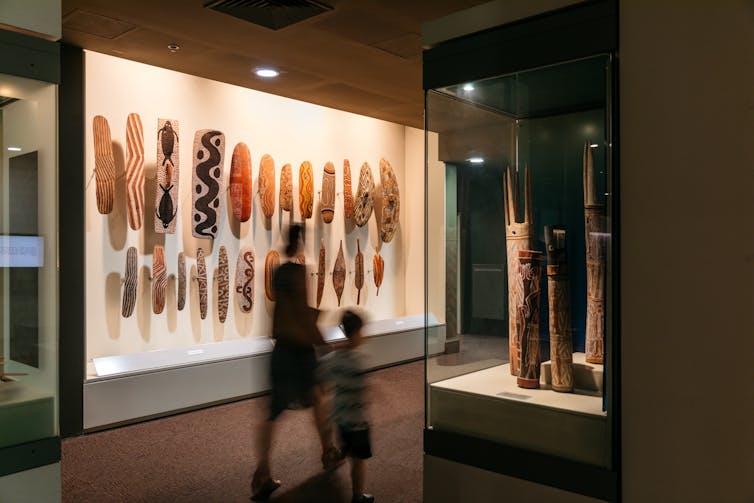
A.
pixel 208 455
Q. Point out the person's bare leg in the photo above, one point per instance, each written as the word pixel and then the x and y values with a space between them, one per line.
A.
pixel 264 444
pixel 321 417
pixel 358 474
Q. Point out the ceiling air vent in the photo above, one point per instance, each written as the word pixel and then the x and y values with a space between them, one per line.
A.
pixel 273 14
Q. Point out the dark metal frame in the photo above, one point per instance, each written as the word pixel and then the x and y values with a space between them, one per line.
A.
pixel 32 58
pixel 586 29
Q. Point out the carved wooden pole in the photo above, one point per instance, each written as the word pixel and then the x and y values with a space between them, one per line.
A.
pixel 594 222
pixel 595 302
pixel 517 237
pixel 530 272
pixel 561 342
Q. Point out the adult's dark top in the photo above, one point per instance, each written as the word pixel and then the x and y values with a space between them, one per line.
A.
pixel 294 322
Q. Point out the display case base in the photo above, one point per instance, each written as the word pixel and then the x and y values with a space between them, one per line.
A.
pixel 26 413
pixel 488 404
pixel 132 388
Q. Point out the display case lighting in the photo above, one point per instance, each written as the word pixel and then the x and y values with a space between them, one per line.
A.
pixel 476 160
pixel 468 87
pixel 14 149
pixel 594 145
pixel 174 48
pixel 267 73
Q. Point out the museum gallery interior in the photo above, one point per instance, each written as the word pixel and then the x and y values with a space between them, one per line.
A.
pixel 518 196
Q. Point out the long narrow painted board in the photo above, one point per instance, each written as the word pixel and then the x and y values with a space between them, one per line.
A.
pixel 391 202
pixel 181 281
pixel 359 262
pixel 286 188
pixel 321 272
pixel 201 280
pixel 104 165
pixel 327 196
pixel 159 279
pixel 339 273
pixel 167 176
pixel 223 285
pixel 347 191
pixel 245 279
pixel 240 182
pixel 305 190
pixel 130 284
pixel 135 171
pixel 271 263
pixel 207 193
pixel 364 201
pixel 267 185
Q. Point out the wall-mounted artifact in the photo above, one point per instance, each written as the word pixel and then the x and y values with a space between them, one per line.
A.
pixel 347 192
pixel 167 176
pixel 327 197
pixel 245 279
pixel 286 188
pixel 240 182
pixel 223 285
pixel 135 171
pixel 207 193
pixel 159 279
pixel 181 281
pixel 271 263
pixel 130 284
pixel 267 185
pixel 518 236
pixel 339 273
pixel 378 269
pixel 595 302
pixel 201 279
pixel 594 222
pixel 391 202
pixel 561 342
pixel 321 272
pixel 300 259
pixel 359 266
pixel 104 165
pixel 306 189
pixel 527 318
pixel 364 200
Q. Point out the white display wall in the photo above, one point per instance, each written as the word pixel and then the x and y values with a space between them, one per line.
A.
pixel 291 132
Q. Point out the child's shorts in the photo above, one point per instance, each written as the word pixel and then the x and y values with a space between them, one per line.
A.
pixel 355 443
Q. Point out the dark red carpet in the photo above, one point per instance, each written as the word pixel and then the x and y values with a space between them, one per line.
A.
pixel 208 455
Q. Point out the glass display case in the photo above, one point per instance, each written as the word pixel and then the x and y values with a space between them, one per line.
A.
pixel 525 164
pixel 28 265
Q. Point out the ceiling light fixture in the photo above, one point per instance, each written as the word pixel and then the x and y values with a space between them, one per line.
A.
pixel 594 145
pixel 14 149
pixel 174 48
pixel 468 87
pixel 267 73
pixel 475 160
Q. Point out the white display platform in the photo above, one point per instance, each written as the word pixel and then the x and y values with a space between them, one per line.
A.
pixel 488 404
pixel 41 484
pixel 26 413
pixel 138 386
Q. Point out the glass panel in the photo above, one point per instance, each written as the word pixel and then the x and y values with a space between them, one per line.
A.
pixel 28 272
pixel 526 255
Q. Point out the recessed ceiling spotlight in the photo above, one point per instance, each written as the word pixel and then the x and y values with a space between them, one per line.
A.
pixel 468 87
pixel 174 48
pixel 594 145
pixel 267 73
pixel 475 160
pixel 14 149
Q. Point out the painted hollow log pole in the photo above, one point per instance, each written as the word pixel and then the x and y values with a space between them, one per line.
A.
pixel 595 302
pixel 561 342
pixel 594 222
pixel 518 236
pixel 530 272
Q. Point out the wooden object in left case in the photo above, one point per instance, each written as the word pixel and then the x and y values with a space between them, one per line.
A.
pixel 561 343
pixel 130 284
pixel 159 279
pixel 223 285
pixel 201 280
pixel 104 165
pixel 166 177
pixel 207 190
pixel 527 318
pixel 135 171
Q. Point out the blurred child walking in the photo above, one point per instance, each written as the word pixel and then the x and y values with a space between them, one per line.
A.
pixel 345 370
